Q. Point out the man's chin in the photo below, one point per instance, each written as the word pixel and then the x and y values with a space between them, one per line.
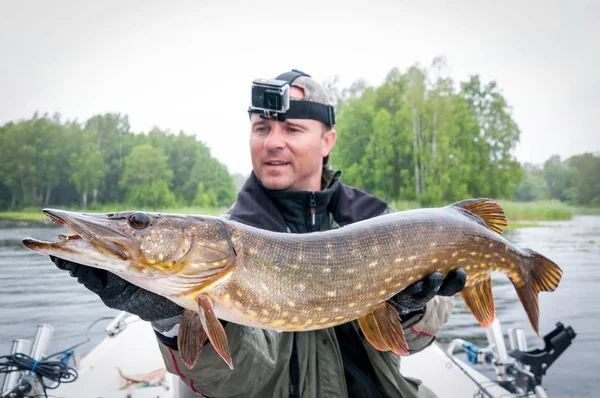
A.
pixel 276 181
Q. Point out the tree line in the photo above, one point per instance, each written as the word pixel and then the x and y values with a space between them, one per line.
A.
pixel 574 180
pixel 49 162
pixel 418 136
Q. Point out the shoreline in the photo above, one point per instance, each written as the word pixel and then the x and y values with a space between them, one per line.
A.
pixel 519 214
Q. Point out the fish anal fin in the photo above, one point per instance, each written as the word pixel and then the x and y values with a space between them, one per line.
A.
pixel 214 329
pixel 383 329
pixel 479 300
pixel 191 337
pixel 488 210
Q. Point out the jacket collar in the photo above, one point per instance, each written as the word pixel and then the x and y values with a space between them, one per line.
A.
pixel 274 210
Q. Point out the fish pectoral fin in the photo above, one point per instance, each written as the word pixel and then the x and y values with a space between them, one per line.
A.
pixel 478 298
pixel 487 210
pixel 383 329
pixel 214 329
pixel 191 337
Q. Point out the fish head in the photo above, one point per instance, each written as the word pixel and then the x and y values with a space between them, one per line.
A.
pixel 134 242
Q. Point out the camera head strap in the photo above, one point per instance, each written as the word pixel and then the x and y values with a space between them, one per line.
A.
pixel 271 100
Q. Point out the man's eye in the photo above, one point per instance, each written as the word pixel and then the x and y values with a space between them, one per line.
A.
pixel 260 129
pixel 293 130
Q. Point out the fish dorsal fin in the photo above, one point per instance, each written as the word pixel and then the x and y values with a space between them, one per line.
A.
pixel 383 329
pixel 487 210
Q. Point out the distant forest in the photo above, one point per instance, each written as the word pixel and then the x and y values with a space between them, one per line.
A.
pixel 415 137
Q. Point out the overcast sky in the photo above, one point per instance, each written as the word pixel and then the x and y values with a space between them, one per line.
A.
pixel 188 65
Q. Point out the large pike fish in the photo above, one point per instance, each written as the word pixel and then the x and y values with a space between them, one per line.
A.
pixel 215 268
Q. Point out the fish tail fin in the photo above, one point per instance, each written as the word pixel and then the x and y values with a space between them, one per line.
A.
pixel 542 275
pixel 488 212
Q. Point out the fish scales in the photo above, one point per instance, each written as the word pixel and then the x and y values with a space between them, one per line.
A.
pixel 304 282
pixel 217 268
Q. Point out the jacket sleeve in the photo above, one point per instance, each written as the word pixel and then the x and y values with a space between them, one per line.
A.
pixel 254 353
pixel 420 330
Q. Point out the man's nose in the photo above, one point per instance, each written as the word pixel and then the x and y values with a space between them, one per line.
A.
pixel 276 138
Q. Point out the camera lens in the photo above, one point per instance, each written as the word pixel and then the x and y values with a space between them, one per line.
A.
pixel 272 101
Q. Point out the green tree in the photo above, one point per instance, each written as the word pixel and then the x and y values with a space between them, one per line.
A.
pixel 556 175
pixel 532 187
pixel 585 179
pixel 88 169
pixel 146 177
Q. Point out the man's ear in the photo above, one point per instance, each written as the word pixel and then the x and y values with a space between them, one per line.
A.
pixel 329 139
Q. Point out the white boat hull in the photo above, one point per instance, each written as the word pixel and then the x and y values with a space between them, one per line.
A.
pixel 134 351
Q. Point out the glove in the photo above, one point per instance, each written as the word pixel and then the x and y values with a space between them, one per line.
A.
pixel 413 299
pixel 119 294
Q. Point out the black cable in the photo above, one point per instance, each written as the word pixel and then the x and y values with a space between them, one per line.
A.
pixel 56 371
pixel 87 338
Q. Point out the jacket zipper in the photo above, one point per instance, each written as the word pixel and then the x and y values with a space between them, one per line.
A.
pixel 313 206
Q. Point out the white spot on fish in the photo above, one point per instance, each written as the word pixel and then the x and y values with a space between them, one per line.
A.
pixel 388 279
pixel 301 287
pixel 372 264
pixel 326 270
pixel 332 293
pixel 398 259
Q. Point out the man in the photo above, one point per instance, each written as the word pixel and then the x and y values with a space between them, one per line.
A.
pixel 292 189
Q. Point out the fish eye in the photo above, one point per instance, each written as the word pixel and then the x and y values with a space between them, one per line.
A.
pixel 139 220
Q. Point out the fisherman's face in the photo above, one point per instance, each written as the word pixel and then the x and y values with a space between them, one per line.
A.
pixel 289 154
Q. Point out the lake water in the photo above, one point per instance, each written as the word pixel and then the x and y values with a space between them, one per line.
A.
pixel 34 291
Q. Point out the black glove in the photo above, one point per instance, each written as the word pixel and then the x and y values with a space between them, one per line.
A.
pixel 414 298
pixel 119 294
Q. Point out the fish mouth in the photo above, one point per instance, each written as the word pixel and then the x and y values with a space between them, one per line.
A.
pixel 93 229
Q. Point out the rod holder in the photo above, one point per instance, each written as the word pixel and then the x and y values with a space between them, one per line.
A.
pixel 43 337
pixel 11 380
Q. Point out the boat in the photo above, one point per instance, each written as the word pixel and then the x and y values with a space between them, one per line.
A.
pixel 127 363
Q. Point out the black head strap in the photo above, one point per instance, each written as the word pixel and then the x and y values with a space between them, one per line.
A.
pixel 303 109
pixel 291 76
